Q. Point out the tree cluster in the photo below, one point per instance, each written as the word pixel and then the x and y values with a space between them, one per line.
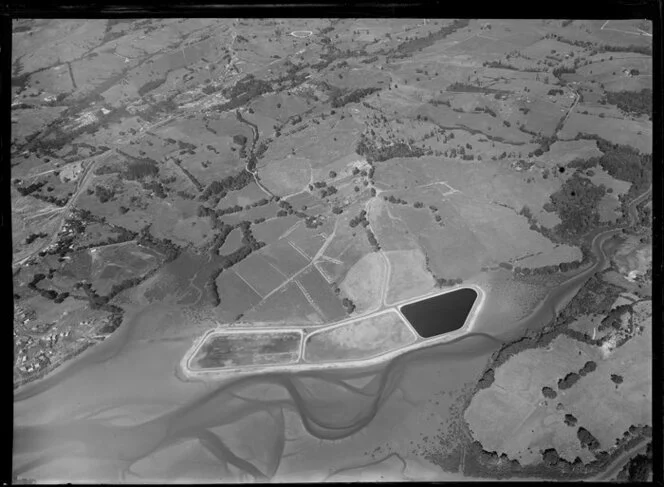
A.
pixel 441 281
pixel 34 236
pixel 576 204
pixel 411 45
pixel 229 183
pixel 103 193
pixel 360 219
pixel 635 103
pixel 395 201
pixel 374 153
pixel 372 240
pixel 570 420
pixel 353 97
pixel 163 246
pixel 586 439
pixel 348 304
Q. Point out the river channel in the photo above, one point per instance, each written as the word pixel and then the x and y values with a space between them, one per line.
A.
pixel 120 412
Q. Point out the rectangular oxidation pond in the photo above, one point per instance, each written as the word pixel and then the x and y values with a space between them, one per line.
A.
pixel 440 314
pixel 242 348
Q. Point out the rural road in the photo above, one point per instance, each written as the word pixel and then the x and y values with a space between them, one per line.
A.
pixel 615 466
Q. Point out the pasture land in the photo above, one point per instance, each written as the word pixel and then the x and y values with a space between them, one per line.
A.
pixel 637 134
pixel 564 151
pixel 559 253
pixel 192 230
pixel 259 274
pixel 248 195
pixel 358 340
pixel 495 183
pixel 331 271
pixel 461 246
pixel 30 121
pixel 116 263
pixel 284 257
pixel 447 118
pixel 309 240
pixel 273 229
pixel 457 244
pixel 408 275
pixel 266 211
pixel 320 292
pixel 390 230
pixel 610 208
pixel 306 201
pixel 247 348
pixel 513 416
pixel 235 296
pixel 287 306
pixel 364 282
pixel 280 107
pixel 232 243
pixel 286 176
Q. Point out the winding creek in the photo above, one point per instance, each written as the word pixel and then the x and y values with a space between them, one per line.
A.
pixel 120 412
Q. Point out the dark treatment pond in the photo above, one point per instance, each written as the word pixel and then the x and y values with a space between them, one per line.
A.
pixel 440 314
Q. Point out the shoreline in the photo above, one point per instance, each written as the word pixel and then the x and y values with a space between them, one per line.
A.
pixel 301 365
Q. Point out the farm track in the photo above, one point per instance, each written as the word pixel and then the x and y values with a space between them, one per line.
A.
pixel 309 299
pixel 315 258
pixel 614 467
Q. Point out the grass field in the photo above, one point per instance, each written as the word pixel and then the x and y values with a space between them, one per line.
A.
pixel 284 257
pixel 364 282
pixel 273 229
pixel 621 131
pixel 320 292
pixel 309 240
pixel 116 263
pixel 513 416
pixel 246 196
pixel 408 275
pixel 259 274
pixel 564 151
pixel 358 340
pixel 232 243
pixel 288 306
pixel 235 295
pixel 287 176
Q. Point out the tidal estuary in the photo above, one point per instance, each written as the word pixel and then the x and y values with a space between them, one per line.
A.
pixel 120 413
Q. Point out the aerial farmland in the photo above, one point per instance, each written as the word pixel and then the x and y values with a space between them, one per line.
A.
pixel 348 249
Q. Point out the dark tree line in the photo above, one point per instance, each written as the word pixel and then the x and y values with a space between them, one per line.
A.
pixel 34 236
pixel 576 204
pixel 441 281
pixel 249 245
pixel 394 200
pixel 230 183
pixel 353 97
pixel 27 190
pixel 374 153
pixel 372 240
pixel 635 103
pixel 348 304
pixel 411 45
pixel 622 162
pixel 163 246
